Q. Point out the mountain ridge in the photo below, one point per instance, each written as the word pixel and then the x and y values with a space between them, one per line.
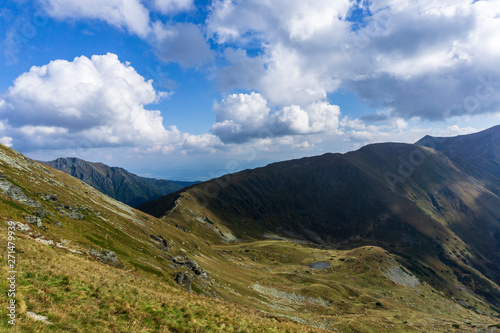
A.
pixel 409 199
pixel 117 182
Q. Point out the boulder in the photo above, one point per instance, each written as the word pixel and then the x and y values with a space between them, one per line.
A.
pixel 106 256
pixel 32 219
pixel 183 280
pixel 162 242
pixel 71 212
pixel 190 264
pixel 14 192
pixel 49 197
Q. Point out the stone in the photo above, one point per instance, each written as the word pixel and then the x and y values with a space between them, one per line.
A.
pixel 32 219
pixel 192 265
pixel 106 256
pixel 71 212
pixel 49 197
pixel 183 280
pixel 41 213
pixel 162 242
pixel 14 192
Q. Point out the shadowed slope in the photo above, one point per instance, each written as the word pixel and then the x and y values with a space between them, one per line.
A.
pixel 408 199
pixel 116 182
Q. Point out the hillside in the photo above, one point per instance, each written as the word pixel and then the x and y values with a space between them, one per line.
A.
pixel 86 262
pixel 484 145
pixel 116 182
pixel 412 201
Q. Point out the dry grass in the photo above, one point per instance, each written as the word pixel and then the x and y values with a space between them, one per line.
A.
pixel 78 294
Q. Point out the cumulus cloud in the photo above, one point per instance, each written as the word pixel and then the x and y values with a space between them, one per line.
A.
pixel 183 43
pixel 429 59
pixel 241 117
pixel 95 102
pixel 129 14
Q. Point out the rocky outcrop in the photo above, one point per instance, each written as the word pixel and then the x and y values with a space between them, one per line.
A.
pixel 49 197
pixel 162 242
pixel 32 219
pixel 14 192
pixel 183 280
pixel 190 264
pixel 71 212
pixel 106 256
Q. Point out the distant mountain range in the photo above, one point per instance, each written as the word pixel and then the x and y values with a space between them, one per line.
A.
pixel 439 209
pixel 116 182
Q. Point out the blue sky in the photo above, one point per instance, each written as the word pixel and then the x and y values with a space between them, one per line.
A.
pixel 187 89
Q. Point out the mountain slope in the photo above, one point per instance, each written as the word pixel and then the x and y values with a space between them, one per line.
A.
pixel 116 182
pixel 86 262
pixel 410 200
pixel 89 263
pixel 478 153
pixel 483 145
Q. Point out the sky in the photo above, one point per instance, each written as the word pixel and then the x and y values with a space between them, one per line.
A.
pixel 191 90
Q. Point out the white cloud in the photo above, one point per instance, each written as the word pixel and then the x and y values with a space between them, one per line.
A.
pixel 94 102
pixel 455 130
pixel 169 6
pixel 183 43
pixel 129 14
pixel 241 117
pixel 7 141
pixel 418 58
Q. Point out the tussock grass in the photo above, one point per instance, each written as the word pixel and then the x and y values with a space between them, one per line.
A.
pixel 79 294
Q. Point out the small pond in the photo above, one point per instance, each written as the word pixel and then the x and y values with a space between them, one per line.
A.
pixel 319 265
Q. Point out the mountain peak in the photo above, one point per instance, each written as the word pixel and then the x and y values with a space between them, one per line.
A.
pixel 481 145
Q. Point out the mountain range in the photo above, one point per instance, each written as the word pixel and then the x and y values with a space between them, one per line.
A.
pixel 438 209
pixel 117 182
pixel 389 238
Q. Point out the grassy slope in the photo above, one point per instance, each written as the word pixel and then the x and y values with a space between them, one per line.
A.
pixel 262 285
pixel 79 293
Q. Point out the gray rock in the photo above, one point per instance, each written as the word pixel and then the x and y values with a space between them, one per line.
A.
pixel 14 192
pixel 32 219
pixel 162 242
pixel 106 256
pixel 41 213
pixel 49 197
pixel 184 261
pixel 71 212
pixel 75 215
pixel 183 280
pixel 58 223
